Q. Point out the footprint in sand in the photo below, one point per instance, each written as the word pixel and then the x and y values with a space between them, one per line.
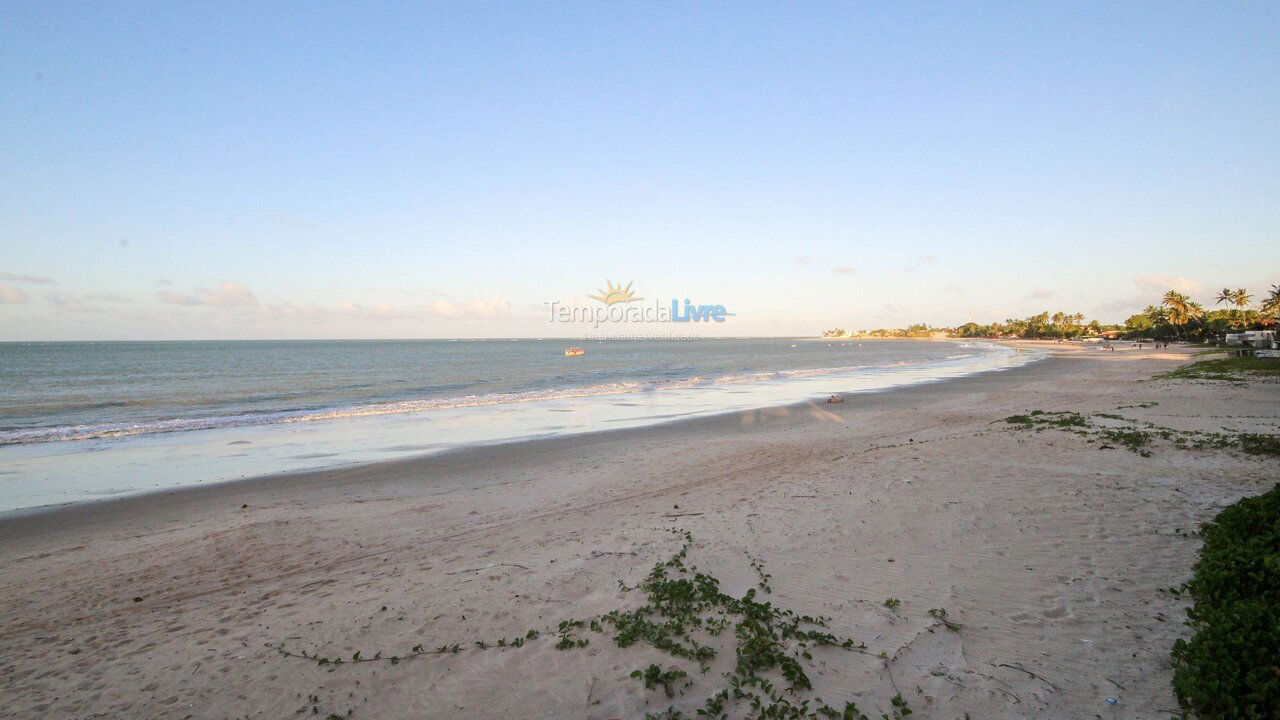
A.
pixel 1027 618
pixel 1059 611
pixel 1058 608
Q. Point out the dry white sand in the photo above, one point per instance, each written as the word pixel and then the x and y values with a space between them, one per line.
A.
pixel 1049 550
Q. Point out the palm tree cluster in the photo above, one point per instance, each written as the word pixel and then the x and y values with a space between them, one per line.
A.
pixel 1270 308
pixel 1059 325
pixel 1179 316
pixel 919 330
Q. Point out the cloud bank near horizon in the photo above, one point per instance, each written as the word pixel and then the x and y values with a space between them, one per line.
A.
pixel 229 307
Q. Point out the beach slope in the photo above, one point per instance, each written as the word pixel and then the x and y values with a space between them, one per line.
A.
pixel 1052 551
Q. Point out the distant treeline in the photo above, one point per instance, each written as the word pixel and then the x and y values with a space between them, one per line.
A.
pixel 1176 317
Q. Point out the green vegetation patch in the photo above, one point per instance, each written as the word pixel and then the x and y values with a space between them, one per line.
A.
pixel 1136 440
pixel 1138 436
pixel 1256 444
pixel 685 609
pixel 1230 668
pixel 654 676
pixel 1232 369
pixel 1043 419
pixel 686 615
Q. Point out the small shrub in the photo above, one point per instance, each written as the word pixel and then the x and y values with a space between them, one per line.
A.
pixel 654 676
pixel 1230 668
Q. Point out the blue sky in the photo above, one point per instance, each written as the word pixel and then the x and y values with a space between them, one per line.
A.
pixel 211 170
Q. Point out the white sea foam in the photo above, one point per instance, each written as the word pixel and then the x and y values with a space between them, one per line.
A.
pixel 180 424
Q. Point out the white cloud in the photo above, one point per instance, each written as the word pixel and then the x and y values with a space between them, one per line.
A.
pixel 1159 283
pixel 844 270
pixel 228 294
pixel 1041 294
pixel 10 295
pixel 1129 306
pixel 109 297
pixel 245 306
pixel 25 278
pixel 475 308
pixel 80 304
pixel 493 308
pixel 337 311
pixel 68 303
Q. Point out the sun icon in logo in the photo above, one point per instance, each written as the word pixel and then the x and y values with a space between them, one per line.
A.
pixel 611 294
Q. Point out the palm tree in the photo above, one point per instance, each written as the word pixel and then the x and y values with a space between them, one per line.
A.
pixel 1271 306
pixel 1179 309
pixel 1238 297
pixel 1227 296
pixel 1195 311
pixel 1158 316
pixel 1059 323
pixel 1241 298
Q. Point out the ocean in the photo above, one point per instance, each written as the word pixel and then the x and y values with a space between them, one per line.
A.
pixel 85 420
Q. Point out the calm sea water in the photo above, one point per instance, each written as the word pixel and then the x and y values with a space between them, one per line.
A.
pixel 82 420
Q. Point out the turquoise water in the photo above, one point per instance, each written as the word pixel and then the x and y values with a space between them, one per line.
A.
pixel 85 420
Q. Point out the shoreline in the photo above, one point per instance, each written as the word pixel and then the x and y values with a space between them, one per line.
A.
pixel 120 430
pixel 25 520
pixel 52 475
pixel 1050 552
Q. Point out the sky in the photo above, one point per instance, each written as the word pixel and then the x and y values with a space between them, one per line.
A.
pixel 182 170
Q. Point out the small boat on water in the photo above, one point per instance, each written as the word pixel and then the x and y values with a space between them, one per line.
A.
pixel 574 352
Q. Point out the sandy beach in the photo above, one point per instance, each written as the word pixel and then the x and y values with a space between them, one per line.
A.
pixel 1052 554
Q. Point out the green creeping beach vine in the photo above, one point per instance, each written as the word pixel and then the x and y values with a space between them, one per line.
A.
pixel 684 614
